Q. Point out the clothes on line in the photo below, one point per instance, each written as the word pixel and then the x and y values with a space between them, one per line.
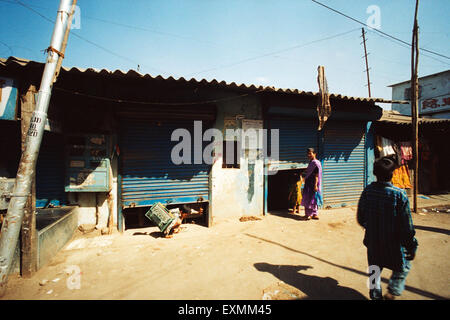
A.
pixel 400 177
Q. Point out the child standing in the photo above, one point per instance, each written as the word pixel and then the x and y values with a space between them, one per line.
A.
pixel 295 193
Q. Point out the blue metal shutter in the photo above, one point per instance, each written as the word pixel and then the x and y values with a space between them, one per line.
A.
pixel 50 171
pixel 343 162
pixel 148 173
pixel 296 135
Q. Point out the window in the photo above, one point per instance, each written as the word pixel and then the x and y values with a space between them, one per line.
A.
pixel 231 154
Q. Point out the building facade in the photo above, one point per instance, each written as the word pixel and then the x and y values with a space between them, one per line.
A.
pixel 434 96
pixel 111 138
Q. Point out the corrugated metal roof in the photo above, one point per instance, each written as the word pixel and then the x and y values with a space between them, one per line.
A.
pixel 394 117
pixel 223 84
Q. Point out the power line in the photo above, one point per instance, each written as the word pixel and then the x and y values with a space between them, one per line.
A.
pixel 139 28
pixel 381 32
pixel 8 46
pixel 87 40
pixel 273 53
pixel 409 47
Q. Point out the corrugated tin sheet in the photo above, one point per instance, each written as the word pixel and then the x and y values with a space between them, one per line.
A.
pixel 148 173
pixel 296 135
pixel 393 117
pixel 13 61
pixel 344 163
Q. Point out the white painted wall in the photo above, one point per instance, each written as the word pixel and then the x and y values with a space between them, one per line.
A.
pixel 231 194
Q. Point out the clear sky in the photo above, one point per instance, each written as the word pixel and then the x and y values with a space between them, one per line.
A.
pixel 276 43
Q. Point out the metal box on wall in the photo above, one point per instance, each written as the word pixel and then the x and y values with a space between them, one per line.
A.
pixel 88 164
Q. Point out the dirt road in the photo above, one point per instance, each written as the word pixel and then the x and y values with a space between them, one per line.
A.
pixel 277 257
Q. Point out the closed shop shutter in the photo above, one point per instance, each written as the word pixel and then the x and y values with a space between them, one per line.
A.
pixel 295 136
pixel 344 163
pixel 50 171
pixel 148 173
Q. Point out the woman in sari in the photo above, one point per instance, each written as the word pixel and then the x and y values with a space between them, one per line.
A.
pixel 312 190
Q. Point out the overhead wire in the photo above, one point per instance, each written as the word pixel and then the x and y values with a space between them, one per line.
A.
pixel 273 53
pixel 134 62
pixel 377 30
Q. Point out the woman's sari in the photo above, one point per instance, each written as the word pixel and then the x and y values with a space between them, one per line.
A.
pixel 310 198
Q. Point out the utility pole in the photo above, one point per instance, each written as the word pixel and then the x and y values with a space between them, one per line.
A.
pixel 365 56
pixel 415 103
pixel 27 165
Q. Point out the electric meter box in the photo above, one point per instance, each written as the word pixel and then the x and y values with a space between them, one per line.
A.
pixel 88 164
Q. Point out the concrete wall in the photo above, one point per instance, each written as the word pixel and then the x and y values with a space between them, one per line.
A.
pixel 237 192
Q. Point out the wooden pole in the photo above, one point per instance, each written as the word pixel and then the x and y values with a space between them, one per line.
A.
pixel 415 104
pixel 367 62
pixel 28 230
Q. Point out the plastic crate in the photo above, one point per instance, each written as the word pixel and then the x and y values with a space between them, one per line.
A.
pixel 160 216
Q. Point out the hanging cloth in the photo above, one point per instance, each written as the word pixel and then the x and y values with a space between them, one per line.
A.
pixel 386 147
pixel 400 177
pixel 406 150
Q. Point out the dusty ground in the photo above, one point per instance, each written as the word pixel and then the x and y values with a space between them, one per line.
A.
pixel 278 257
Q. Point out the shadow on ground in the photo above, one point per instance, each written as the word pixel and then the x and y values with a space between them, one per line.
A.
pixel 384 280
pixel 316 288
pixel 287 214
pixel 433 229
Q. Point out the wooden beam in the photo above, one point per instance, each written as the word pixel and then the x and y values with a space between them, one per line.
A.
pixel 28 232
pixel 414 105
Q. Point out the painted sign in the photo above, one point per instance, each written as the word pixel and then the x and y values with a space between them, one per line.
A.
pixel 8 99
pixel 437 104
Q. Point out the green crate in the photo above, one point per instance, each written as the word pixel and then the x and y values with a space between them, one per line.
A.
pixel 160 216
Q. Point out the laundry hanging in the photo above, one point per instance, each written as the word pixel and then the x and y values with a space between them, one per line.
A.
pixel 406 151
pixel 400 177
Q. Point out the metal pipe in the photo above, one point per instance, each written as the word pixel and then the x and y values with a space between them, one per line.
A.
pixel 22 188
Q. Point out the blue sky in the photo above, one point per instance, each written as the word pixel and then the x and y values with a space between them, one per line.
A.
pixel 275 43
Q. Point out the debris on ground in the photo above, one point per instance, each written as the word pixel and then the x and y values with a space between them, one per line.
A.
pixel 249 218
pixel 282 291
pixel 43 282
pixel 86 228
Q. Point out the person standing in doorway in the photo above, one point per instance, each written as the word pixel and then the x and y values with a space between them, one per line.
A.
pixel 385 214
pixel 295 193
pixel 312 190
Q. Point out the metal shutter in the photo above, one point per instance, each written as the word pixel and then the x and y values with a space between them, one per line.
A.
pixel 296 135
pixel 343 162
pixel 148 174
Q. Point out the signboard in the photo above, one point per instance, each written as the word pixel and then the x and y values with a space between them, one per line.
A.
pixel 8 99
pixel 433 105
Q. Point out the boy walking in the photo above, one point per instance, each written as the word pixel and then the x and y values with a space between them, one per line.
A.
pixel 384 212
